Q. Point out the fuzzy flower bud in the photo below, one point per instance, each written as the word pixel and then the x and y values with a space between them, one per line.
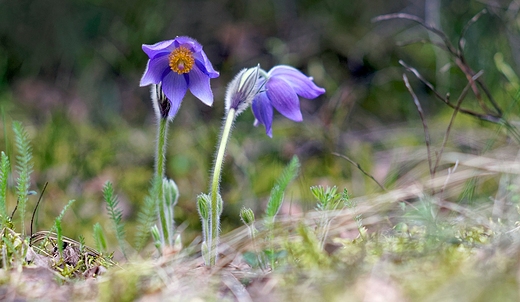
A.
pixel 247 216
pixel 170 191
pixel 243 89
pixel 203 204
pixel 156 235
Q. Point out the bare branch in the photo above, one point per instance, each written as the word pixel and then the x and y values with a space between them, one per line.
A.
pixel 425 127
pixel 424 81
pixel 448 129
pixel 468 25
pixel 423 41
pixel 490 97
pixel 497 119
pixel 397 16
pixel 420 21
pixel 458 56
pixel 360 169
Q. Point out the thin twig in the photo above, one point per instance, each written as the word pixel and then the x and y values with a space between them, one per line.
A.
pixel 35 209
pixel 422 23
pixel 467 26
pixel 490 97
pixel 468 72
pixel 360 169
pixel 485 117
pixel 423 41
pixel 425 82
pixel 461 62
pixel 455 111
pixel 459 59
pixel 450 172
pixel 425 127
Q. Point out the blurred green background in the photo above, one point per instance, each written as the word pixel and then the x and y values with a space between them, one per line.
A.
pixel 70 70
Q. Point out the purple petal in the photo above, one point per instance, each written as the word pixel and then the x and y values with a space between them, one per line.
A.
pixel 204 64
pixel 301 84
pixel 158 48
pixel 188 42
pixel 263 112
pixel 155 69
pixel 200 87
pixel 174 87
pixel 284 99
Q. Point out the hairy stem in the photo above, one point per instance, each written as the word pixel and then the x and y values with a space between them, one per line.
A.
pixel 215 186
pixel 159 175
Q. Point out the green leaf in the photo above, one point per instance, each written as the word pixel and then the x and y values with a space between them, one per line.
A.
pixel 115 215
pixel 4 175
pixel 59 236
pixel 23 167
pixel 277 192
pixel 99 238
pixel 147 216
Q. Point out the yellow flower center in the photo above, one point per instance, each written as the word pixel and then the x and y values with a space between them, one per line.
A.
pixel 181 60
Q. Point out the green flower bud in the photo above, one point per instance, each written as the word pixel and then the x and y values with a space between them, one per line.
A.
pixel 170 192
pixel 247 216
pixel 203 204
pixel 156 237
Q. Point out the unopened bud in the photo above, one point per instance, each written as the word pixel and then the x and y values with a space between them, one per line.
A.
pixel 203 204
pixel 242 89
pixel 170 192
pixel 156 237
pixel 247 216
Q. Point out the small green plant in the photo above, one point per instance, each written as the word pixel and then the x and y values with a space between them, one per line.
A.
pixel 273 207
pixel 24 168
pixel 255 259
pixel 115 215
pixel 146 219
pixel 278 191
pixel 62 213
pixel 99 238
pixel 275 203
pixel 57 228
pixel 14 246
pixel 351 204
pixel 59 237
pixel 308 253
pixel 329 202
pixel 4 175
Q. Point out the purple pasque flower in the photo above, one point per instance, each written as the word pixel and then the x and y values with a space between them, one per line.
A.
pixel 282 86
pixel 179 64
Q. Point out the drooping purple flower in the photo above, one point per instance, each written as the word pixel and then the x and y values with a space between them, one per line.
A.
pixel 179 64
pixel 282 86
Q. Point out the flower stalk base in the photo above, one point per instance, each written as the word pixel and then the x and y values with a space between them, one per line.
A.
pixel 216 201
